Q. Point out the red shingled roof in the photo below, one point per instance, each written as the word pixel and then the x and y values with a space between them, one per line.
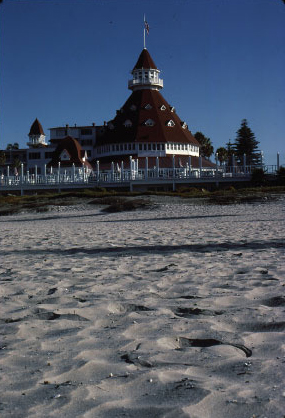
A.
pixel 72 146
pixel 145 61
pixel 135 110
pixel 36 128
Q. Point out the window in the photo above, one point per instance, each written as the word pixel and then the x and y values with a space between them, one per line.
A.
pixel 59 132
pixel 133 107
pixel 172 109
pixel 34 156
pixel 162 146
pixel 140 147
pixel 144 147
pixel 127 123
pixel 32 170
pixel 149 146
pixel 86 131
pixel 162 107
pixel 153 147
pixel 121 147
pixel 158 147
pixel 48 154
pixel 148 106
pixel 184 125
pixel 88 153
pixel 149 122
pixel 86 142
pixel 117 147
pixel 130 147
pixel 64 156
pixel 126 147
pixel 170 123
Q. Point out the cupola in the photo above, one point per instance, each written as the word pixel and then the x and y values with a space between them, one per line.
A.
pixel 36 135
pixel 145 74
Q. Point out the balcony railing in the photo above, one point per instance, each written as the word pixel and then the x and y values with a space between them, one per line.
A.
pixel 145 81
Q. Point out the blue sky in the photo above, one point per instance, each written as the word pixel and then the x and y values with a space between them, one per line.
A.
pixel 68 61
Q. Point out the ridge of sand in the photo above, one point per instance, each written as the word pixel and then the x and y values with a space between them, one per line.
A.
pixel 177 311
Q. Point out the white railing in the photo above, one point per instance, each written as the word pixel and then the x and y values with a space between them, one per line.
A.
pixel 146 81
pixel 126 176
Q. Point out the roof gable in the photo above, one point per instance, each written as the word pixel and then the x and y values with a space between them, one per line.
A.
pixel 68 152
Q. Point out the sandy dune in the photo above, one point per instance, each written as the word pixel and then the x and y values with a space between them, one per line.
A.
pixel 177 311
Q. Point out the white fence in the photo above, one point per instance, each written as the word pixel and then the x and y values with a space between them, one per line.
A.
pixel 120 176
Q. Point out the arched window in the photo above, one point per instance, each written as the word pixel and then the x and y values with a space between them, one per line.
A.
pixel 149 122
pixel 128 123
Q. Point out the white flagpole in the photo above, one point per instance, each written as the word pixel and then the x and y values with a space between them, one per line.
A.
pixel 144 31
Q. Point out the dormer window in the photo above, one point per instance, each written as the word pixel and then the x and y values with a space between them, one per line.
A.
pixel 128 123
pixel 162 107
pixel 184 125
pixel 170 123
pixel 133 107
pixel 110 125
pixel 149 122
pixel 65 156
pixel 172 109
pixel 148 106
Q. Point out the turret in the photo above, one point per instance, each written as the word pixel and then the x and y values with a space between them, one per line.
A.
pixel 145 74
pixel 36 135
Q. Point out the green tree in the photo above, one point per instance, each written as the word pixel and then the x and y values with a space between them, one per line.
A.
pixel 12 146
pixel 207 148
pixel 222 154
pixel 246 143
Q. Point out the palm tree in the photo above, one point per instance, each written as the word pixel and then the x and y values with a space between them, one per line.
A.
pixel 222 154
pixel 17 165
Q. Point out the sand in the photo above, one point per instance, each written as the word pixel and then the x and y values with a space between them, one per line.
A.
pixel 176 311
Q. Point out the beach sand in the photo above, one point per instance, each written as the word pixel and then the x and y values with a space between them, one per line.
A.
pixel 176 311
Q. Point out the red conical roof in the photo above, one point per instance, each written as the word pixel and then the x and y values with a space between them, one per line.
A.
pixel 145 61
pixel 141 106
pixel 36 128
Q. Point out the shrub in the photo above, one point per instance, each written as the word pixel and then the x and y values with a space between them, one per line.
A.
pixel 258 177
pixel 281 176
